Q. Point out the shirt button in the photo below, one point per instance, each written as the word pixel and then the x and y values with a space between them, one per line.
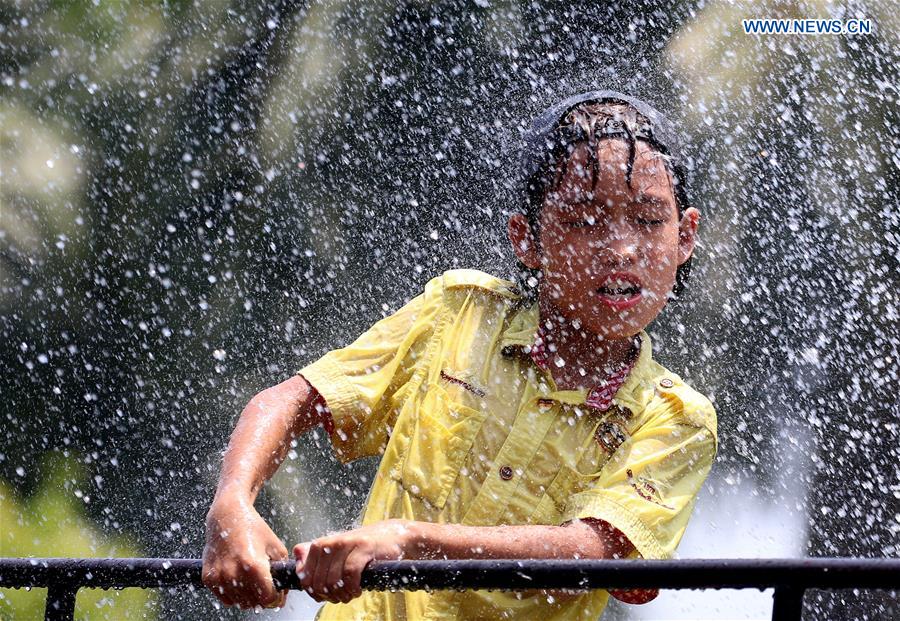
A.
pixel 508 351
pixel 506 473
pixel 666 382
pixel 545 404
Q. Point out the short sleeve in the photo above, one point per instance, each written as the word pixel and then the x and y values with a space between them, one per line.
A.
pixel 361 382
pixel 649 486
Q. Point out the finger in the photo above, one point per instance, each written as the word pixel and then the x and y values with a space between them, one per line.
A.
pixel 212 577
pixel 282 599
pixel 301 553
pixel 313 558
pixel 225 585
pixel 210 581
pixel 269 596
pixel 229 590
pixel 250 584
pixel 336 580
pixel 298 568
pixel 310 560
pixel 354 566
pixel 219 592
pixel 225 601
pixel 302 574
pixel 284 596
pixel 634 596
pixel 277 551
pixel 260 587
pixel 239 589
pixel 326 559
pixel 208 573
pixel 279 599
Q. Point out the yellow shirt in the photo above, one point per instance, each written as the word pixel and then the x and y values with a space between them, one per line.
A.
pixel 472 432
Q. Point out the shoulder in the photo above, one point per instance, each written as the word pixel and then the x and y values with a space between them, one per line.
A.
pixel 442 292
pixel 686 403
pixel 470 280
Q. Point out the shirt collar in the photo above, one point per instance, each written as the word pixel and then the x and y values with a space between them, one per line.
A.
pixel 633 391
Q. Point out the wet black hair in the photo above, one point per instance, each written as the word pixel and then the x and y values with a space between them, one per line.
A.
pixel 552 138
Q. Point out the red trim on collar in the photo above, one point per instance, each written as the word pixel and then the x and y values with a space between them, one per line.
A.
pixel 601 395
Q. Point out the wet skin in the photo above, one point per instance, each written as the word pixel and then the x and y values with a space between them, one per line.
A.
pixel 593 244
pixel 594 239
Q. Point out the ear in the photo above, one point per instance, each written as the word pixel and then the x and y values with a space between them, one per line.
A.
pixel 522 238
pixel 687 234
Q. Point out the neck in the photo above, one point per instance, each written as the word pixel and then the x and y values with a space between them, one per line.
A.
pixel 587 357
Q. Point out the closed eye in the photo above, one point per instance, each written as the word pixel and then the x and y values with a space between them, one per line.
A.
pixel 647 222
pixel 577 224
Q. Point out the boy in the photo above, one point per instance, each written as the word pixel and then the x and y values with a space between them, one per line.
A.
pixel 512 422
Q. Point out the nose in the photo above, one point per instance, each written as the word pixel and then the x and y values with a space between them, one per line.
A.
pixel 617 255
pixel 620 246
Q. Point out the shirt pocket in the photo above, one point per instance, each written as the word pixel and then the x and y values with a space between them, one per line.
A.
pixel 587 448
pixel 552 504
pixel 438 443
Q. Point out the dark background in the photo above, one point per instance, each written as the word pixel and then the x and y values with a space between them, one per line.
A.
pixel 237 188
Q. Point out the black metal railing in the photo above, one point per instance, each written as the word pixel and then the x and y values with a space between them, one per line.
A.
pixel 790 578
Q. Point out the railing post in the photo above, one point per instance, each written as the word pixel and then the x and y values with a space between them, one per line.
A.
pixel 60 604
pixel 788 604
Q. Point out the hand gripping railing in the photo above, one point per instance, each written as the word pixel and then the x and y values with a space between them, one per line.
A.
pixel 789 577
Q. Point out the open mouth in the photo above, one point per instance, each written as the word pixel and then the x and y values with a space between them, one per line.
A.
pixel 620 291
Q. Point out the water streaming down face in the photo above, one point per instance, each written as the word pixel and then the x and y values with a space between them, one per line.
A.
pixel 198 198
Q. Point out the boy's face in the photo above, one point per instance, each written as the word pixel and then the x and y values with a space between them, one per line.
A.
pixel 609 253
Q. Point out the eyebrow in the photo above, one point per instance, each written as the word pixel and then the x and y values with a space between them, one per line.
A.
pixel 651 199
pixel 642 199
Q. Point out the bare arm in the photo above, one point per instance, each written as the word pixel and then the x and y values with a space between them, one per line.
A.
pixel 590 538
pixel 330 567
pixel 262 437
pixel 239 544
pixel 578 539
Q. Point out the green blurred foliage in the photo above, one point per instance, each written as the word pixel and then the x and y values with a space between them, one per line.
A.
pixel 52 522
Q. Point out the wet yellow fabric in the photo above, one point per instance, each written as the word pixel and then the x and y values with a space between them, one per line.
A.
pixel 471 431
